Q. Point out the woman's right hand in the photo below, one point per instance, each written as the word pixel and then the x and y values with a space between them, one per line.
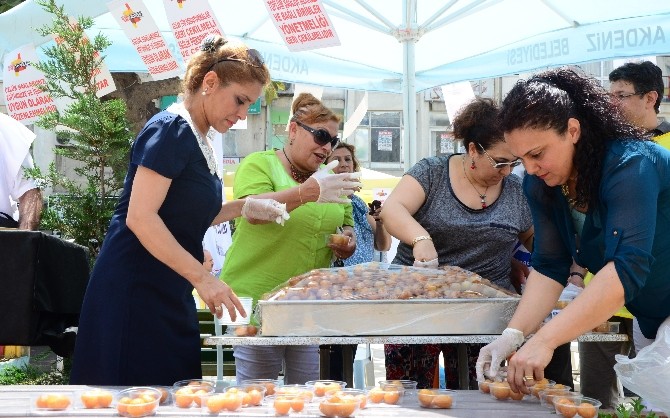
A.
pixel 216 294
pixel 425 254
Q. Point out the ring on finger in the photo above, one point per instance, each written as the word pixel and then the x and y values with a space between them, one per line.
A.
pixel 528 378
pixel 217 309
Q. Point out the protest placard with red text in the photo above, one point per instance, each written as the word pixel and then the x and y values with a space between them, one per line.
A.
pixel 191 21
pixel 303 24
pixel 139 26
pixel 25 101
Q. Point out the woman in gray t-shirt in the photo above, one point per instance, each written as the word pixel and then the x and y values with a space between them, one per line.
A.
pixel 461 210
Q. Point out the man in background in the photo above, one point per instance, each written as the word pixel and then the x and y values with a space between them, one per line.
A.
pixel 637 89
pixel 15 141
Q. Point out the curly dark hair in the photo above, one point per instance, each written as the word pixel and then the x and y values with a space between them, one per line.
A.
pixel 644 76
pixel 478 122
pixel 550 98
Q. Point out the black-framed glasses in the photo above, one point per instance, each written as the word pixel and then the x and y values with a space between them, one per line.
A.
pixel 498 165
pixel 621 96
pixel 254 59
pixel 321 136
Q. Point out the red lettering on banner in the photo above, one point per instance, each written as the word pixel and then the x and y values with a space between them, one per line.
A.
pixel 101 84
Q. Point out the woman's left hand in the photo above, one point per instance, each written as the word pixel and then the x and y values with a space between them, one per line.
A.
pixel 527 365
pixel 345 251
pixel 264 210
pixel 218 295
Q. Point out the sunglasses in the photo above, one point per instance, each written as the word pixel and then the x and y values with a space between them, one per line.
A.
pixel 498 165
pixel 321 136
pixel 254 59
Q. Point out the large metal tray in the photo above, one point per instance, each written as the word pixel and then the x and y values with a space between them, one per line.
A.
pixel 385 317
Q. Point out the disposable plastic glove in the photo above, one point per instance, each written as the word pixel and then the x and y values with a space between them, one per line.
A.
pixel 430 264
pixel 334 188
pixel 264 210
pixel 491 355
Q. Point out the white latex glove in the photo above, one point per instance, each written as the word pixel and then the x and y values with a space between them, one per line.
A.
pixel 491 355
pixel 430 264
pixel 264 210
pixel 334 188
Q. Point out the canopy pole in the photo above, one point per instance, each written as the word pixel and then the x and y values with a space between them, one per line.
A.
pixel 409 82
pixel 409 103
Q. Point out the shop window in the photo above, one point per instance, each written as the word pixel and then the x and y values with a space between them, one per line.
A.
pixel 444 143
pixel 378 138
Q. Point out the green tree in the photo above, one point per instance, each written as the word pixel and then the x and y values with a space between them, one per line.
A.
pixel 97 131
pixel 8 4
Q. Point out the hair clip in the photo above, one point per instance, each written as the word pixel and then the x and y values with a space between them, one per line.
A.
pixel 208 44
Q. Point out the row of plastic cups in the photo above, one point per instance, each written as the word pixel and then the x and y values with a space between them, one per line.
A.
pixel 502 391
pixel 575 405
pixel 137 401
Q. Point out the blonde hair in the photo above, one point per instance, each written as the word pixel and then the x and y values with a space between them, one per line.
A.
pixel 231 61
pixel 308 109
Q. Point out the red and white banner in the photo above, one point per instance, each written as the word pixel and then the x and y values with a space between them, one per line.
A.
pixel 191 21
pixel 103 78
pixel 25 101
pixel 139 26
pixel 304 25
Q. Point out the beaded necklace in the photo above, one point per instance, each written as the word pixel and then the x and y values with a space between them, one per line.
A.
pixel 482 197
pixel 299 176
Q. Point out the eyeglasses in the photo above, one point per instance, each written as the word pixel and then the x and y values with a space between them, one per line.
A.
pixel 321 136
pixel 621 96
pixel 255 59
pixel 498 165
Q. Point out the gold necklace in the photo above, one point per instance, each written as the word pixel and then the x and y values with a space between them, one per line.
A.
pixel 481 196
pixel 565 190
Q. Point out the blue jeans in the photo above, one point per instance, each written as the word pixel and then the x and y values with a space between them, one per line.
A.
pixel 301 362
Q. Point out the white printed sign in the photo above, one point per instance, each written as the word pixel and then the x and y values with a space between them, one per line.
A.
pixel 139 26
pixel 303 25
pixel 25 101
pixel 385 141
pixel 380 194
pixel 446 142
pixel 456 96
pixel 191 21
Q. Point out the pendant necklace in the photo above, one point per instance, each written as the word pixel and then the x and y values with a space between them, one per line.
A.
pixel 299 176
pixel 481 196
pixel 565 190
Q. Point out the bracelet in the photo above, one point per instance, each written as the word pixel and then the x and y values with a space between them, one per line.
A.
pixel 300 194
pixel 576 273
pixel 419 238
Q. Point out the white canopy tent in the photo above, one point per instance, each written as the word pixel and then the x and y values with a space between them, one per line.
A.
pixel 404 46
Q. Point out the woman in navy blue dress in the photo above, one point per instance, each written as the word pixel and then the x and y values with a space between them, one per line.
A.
pixel 138 322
